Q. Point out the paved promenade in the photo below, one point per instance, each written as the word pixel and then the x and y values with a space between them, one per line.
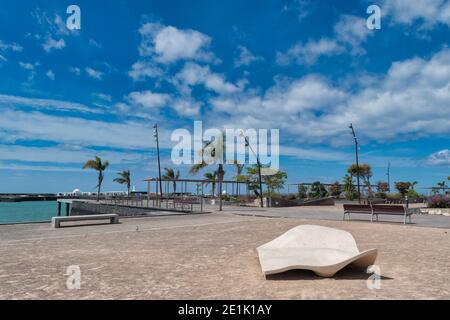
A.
pixel 335 213
pixel 210 256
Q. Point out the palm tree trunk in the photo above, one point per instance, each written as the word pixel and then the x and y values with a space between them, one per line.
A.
pixel 220 174
pixel 175 187
pixel 99 187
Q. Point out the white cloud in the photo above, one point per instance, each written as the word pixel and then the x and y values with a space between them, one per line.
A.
pixel 350 31
pixel 302 7
pixel 245 57
pixel 44 104
pixel 27 65
pixel 353 31
pixel 60 26
pixel 52 44
pixel 102 96
pixel 75 71
pixel 94 74
pixel 309 52
pixel 193 74
pixel 427 13
pixel 62 154
pixel 148 99
pixel 286 100
pixel 186 107
pixel 50 74
pixel 411 101
pixel 440 158
pixel 72 130
pixel 10 47
pixel 168 44
pixel 142 70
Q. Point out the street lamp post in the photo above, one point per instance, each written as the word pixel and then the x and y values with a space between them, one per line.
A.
pixel 247 144
pixel 389 176
pixel 357 161
pixel 156 136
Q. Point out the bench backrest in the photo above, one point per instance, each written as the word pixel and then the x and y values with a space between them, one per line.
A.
pixel 358 207
pixel 388 209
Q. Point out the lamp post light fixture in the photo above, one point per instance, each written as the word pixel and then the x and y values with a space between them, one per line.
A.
pixel 156 136
pixel 247 144
pixel 357 161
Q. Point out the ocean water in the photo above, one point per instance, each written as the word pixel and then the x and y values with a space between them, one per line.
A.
pixel 28 211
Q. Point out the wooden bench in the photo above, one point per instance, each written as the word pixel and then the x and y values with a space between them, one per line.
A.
pixel 377 209
pixel 113 218
pixel 357 208
pixel 393 210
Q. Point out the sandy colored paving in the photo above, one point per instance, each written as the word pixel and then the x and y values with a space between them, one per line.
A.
pixel 210 257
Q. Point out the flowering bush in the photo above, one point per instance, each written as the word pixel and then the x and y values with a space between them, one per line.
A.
pixel 439 202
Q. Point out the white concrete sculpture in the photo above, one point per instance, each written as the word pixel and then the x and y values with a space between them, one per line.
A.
pixel 322 250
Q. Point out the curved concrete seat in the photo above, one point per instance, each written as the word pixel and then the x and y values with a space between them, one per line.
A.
pixel 322 250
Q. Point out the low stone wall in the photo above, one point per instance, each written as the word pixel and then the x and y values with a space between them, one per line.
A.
pixel 437 211
pixel 86 208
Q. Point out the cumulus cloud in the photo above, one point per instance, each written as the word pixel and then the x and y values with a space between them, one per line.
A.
pixel 168 44
pixel 427 13
pixel 52 44
pixel 142 70
pixel 245 57
pixel 187 106
pixel 309 52
pixel 148 99
pixel 145 102
pixel 93 73
pixel 411 101
pixel 440 158
pixel 352 30
pixel 350 33
pixel 193 74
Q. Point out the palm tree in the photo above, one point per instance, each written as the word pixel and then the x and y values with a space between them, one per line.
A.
pixel 215 150
pixel 99 166
pixel 124 178
pixel 413 184
pixel 363 170
pixel 211 178
pixel 172 176
pixel 442 185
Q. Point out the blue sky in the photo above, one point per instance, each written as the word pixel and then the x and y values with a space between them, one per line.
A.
pixel 308 68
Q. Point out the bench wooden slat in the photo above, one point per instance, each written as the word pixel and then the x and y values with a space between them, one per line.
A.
pixel 388 209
